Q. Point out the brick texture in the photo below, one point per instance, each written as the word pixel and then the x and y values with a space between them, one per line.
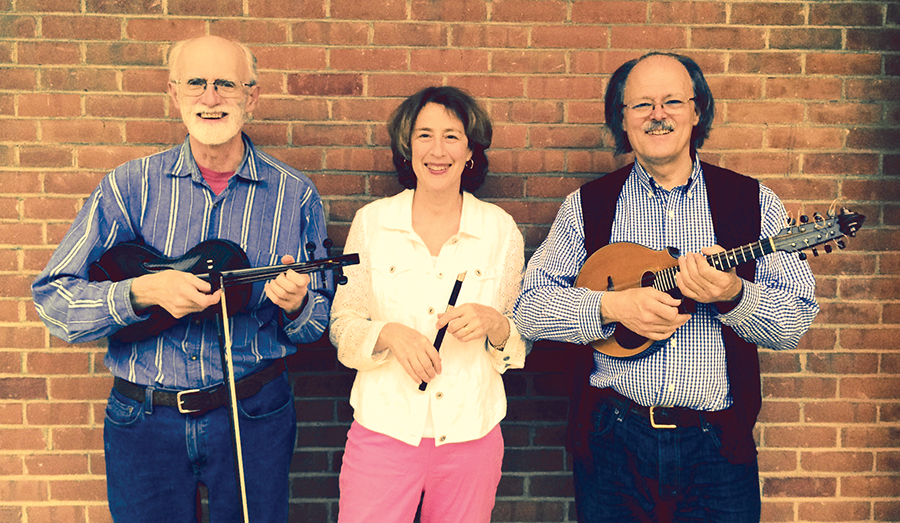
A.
pixel 807 96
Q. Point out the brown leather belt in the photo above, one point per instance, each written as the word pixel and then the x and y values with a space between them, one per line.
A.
pixel 198 401
pixel 659 417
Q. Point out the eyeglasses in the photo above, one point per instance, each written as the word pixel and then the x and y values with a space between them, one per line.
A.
pixel 643 108
pixel 225 88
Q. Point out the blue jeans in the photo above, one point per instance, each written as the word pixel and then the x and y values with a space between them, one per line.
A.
pixel 155 458
pixel 638 473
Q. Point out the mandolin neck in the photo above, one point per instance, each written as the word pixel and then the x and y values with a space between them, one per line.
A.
pixel 665 279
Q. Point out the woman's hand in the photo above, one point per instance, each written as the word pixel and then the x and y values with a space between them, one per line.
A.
pixel 471 321
pixel 414 351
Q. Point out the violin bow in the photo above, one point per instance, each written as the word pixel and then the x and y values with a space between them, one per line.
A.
pixel 225 346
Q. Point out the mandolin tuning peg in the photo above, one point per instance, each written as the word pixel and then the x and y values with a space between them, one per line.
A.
pixel 802 255
pixel 828 248
pixel 815 251
pixel 841 244
pixel 792 222
pixel 818 217
pixel 804 219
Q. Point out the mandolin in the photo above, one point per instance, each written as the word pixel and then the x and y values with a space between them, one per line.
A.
pixel 620 266
pixel 214 261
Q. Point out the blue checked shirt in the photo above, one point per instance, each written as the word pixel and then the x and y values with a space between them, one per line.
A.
pixel 268 208
pixel 689 369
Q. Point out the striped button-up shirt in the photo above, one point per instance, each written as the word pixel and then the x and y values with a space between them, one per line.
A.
pixel 268 208
pixel 688 370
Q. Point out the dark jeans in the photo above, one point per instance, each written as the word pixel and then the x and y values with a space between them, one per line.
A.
pixel 635 472
pixel 155 457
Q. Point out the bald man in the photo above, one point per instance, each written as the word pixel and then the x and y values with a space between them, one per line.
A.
pixel 167 422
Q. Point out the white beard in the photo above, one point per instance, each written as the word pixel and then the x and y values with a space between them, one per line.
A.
pixel 213 133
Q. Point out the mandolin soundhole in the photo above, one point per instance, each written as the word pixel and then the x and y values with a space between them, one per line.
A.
pixel 628 339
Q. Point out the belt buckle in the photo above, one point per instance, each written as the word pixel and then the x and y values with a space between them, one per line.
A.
pixel 180 400
pixel 656 425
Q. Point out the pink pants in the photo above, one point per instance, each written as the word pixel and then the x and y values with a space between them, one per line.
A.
pixel 382 479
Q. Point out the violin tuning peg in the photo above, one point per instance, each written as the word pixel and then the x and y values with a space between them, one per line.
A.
pixel 802 255
pixel 339 278
pixel 327 243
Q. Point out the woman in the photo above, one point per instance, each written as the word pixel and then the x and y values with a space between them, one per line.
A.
pixel 444 441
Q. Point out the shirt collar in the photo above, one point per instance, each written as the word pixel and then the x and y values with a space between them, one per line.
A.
pixel 399 215
pixel 649 184
pixel 185 165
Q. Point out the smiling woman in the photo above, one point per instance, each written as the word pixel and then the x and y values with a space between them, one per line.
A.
pixel 442 445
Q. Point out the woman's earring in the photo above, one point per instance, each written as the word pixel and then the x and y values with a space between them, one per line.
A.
pixel 470 164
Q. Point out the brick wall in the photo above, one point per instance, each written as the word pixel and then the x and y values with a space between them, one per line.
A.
pixel 809 102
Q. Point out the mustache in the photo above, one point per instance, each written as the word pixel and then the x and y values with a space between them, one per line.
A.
pixel 659 125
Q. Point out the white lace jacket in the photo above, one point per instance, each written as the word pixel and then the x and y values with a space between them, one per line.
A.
pixel 397 280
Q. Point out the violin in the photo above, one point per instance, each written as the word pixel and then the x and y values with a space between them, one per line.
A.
pixel 220 262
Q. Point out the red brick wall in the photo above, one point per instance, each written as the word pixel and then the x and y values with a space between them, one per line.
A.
pixel 809 102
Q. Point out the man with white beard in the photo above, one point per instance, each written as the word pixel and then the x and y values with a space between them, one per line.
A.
pixel 167 422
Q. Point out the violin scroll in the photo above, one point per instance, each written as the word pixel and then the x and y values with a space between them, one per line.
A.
pixel 337 272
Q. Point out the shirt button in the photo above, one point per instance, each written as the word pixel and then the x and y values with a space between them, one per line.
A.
pixel 193 358
pixel 672 388
pixel 670 214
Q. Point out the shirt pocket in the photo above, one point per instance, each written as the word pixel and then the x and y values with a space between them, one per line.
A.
pixel 394 292
pixel 479 286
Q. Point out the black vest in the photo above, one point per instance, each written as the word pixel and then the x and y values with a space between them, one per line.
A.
pixel 734 206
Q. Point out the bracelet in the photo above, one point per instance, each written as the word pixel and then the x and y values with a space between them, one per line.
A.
pixel 498 347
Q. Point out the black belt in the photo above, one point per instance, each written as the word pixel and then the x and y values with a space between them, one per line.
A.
pixel 659 417
pixel 198 401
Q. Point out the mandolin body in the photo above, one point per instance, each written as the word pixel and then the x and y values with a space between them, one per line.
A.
pixel 617 267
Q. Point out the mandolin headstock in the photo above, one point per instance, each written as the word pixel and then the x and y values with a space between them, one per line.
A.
pixel 822 230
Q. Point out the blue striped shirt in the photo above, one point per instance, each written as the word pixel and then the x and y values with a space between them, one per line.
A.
pixel 268 208
pixel 689 369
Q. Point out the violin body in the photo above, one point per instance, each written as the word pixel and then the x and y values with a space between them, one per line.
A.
pixel 132 259
pixel 220 262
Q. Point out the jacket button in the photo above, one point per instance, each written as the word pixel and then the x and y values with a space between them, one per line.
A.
pixel 443 439
pixel 439 395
